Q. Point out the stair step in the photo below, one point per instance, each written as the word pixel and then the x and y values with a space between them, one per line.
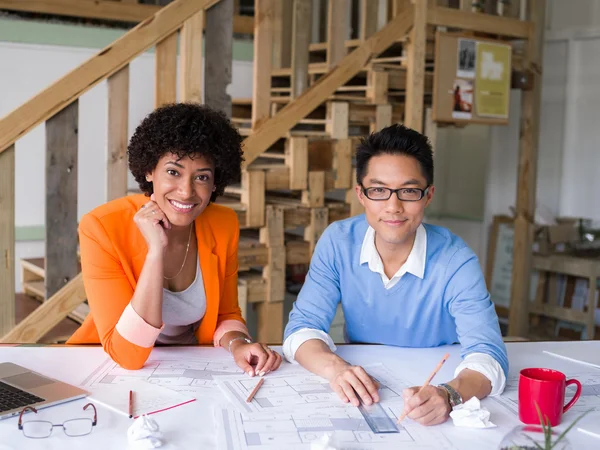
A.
pixel 234 189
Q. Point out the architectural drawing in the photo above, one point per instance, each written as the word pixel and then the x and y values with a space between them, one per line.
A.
pixel 589 400
pixel 297 430
pixel 191 376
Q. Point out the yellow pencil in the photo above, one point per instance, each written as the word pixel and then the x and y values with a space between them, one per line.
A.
pixel 437 368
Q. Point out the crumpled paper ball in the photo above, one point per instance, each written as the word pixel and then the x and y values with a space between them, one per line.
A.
pixel 144 433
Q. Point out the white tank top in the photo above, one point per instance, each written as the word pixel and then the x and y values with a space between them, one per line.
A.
pixel 182 313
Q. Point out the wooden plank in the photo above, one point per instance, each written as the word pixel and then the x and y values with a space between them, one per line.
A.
pixel 369 10
pixel 342 163
pixel 415 72
pixel 315 195
pixel 319 219
pixel 352 199
pixel 337 30
pixel 253 197
pixel 337 119
pixel 118 120
pixel 61 198
pixel 383 117
pixel 190 70
pixel 272 234
pixel 296 158
pixel 7 240
pixel 282 34
pixel 165 82
pixel 218 49
pixel 567 265
pixel 263 43
pixel 527 175
pixel 270 322
pixel 398 6
pixel 590 323
pixel 431 129
pixel 377 87
pixel 301 32
pixel 558 312
pixel 49 314
pixel 92 9
pixel 279 125
pixel 482 23
pixel 96 69
pixel 274 271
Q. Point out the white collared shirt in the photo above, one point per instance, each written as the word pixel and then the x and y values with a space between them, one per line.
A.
pixel 415 264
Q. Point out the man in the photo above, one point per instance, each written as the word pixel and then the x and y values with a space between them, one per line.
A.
pixel 401 282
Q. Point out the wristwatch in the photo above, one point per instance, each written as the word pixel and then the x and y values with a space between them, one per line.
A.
pixel 238 338
pixel 454 397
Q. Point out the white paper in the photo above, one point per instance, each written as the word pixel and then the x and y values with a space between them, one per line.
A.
pixel 471 415
pixel 147 398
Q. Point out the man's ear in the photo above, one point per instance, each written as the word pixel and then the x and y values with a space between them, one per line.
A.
pixel 430 193
pixel 359 194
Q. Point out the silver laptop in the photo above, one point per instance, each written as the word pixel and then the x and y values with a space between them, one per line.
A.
pixel 21 387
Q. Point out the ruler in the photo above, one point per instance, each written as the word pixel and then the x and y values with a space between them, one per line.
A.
pixel 377 419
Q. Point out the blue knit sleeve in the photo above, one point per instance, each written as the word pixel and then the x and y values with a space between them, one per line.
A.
pixel 317 301
pixel 470 305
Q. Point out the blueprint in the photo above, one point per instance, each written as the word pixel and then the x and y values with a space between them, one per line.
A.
pixel 297 430
pixel 192 376
pixel 589 399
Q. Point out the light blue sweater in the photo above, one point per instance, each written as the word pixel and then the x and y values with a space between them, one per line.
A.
pixel 450 304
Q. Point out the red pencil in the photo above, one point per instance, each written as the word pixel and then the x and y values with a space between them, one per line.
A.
pixel 130 404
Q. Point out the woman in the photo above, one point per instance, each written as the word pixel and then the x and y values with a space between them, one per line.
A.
pixel 163 269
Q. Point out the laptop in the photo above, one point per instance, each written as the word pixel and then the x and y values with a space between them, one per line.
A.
pixel 21 387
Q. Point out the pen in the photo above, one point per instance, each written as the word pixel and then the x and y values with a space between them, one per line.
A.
pixel 255 390
pixel 130 404
pixel 438 367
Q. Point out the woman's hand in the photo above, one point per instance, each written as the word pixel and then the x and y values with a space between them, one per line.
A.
pixel 247 355
pixel 152 222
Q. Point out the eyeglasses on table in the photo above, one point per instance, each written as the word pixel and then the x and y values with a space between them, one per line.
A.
pixel 40 429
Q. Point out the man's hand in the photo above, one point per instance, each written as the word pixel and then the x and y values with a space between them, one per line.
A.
pixel 348 381
pixel 427 405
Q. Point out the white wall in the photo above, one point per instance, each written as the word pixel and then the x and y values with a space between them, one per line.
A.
pixel 28 69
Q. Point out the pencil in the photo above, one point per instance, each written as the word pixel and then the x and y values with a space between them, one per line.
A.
pixel 255 390
pixel 130 404
pixel 437 368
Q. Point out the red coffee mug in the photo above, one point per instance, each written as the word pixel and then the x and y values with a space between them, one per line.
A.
pixel 546 387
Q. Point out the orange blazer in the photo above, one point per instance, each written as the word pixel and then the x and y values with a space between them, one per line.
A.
pixel 113 252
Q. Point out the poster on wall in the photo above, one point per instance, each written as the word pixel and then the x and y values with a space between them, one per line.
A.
pixel 465 67
pixel 492 80
pixel 463 99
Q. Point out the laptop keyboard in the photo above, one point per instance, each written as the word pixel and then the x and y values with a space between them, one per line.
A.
pixel 12 397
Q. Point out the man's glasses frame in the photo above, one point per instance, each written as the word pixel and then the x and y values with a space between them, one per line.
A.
pixel 43 428
pixel 398 193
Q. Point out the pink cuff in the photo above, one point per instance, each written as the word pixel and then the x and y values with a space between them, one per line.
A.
pixel 225 327
pixel 136 330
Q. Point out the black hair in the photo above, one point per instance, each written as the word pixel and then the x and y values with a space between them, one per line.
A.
pixel 186 129
pixel 395 140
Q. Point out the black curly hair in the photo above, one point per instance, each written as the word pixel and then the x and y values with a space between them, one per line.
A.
pixel 186 129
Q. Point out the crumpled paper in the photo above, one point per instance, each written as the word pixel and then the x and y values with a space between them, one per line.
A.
pixel 470 414
pixel 325 442
pixel 144 433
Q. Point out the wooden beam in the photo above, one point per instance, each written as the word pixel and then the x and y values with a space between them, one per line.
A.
pixel 527 178
pixel 282 34
pixel 378 85
pixel 270 322
pixel 415 71
pixel 96 69
pixel 165 82
pixel 296 158
pixel 219 48
pixel 272 235
pixel 7 240
pixel 46 316
pixel 118 120
pixel 383 118
pixel 190 71
pixel 301 31
pixel 315 195
pixel 319 219
pixel 107 10
pixel 263 43
pixel 278 125
pixel 253 197
pixel 61 198
pixel 482 23
pixel 368 18
pixel 337 30
pixel 337 119
pixel 342 163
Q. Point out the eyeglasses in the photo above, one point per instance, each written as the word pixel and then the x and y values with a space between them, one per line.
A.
pixel 405 194
pixel 39 429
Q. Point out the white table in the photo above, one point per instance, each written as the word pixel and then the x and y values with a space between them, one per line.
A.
pixel 192 425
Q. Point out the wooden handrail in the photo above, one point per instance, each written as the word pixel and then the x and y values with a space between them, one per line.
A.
pixel 96 69
pixel 277 126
